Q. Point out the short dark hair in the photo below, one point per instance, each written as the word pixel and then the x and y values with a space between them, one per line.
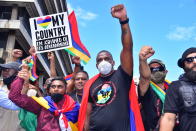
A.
pixel 106 52
pixel 59 79
pixel 82 71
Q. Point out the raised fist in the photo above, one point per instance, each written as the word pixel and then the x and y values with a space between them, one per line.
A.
pixel 24 73
pixel 76 60
pixel 146 52
pixel 32 50
pixel 119 12
pixel 17 53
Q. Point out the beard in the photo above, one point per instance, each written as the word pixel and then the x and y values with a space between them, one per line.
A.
pixel 190 73
pixel 56 97
pixel 158 77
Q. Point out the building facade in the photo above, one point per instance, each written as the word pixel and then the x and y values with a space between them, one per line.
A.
pixel 15 31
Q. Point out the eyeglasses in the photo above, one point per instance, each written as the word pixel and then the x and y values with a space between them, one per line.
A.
pixel 190 59
pixel 160 68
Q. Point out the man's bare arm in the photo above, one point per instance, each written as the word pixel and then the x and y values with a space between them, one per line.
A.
pixel 144 69
pixel 168 122
pixel 126 56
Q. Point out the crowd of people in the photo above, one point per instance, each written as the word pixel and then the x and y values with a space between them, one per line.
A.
pixel 100 103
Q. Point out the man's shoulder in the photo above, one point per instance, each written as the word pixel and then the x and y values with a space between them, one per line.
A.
pixel 175 83
pixel 120 71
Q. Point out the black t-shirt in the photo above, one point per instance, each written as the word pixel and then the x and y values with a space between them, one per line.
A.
pixel 181 99
pixel 77 98
pixel 110 102
pixel 151 109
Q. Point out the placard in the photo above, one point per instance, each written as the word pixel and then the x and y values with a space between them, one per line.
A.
pixel 51 32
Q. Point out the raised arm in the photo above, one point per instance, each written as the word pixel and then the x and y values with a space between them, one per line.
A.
pixel 15 95
pixel 126 57
pixel 52 64
pixel 70 84
pixel 144 69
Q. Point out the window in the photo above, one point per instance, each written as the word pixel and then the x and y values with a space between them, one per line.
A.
pixel 5 12
pixel 3 40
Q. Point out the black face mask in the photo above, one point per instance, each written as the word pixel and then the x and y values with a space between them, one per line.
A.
pixel 9 80
pixel 56 97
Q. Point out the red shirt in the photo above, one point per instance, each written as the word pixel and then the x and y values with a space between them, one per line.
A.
pixel 46 121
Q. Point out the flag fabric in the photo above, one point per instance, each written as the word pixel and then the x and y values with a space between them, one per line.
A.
pixel 68 77
pixel 135 116
pixel 28 120
pixel 78 48
pixel 32 65
pixel 160 92
pixel 136 123
pixel 83 108
pixel 68 114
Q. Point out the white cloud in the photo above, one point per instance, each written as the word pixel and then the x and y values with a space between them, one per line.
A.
pixel 182 33
pixel 82 13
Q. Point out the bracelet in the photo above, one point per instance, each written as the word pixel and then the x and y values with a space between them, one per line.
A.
pixel 77 64
pixel 124 22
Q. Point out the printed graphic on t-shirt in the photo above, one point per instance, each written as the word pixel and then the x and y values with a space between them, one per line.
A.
pixel 104 93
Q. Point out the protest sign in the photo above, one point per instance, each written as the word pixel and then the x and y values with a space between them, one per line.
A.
pixel 51 32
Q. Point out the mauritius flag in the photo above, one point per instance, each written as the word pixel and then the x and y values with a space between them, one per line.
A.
pixel 78 48
pixel 68 77
pixel 69 111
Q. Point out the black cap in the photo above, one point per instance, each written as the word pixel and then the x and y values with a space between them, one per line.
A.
pixel 157 61
pixel 184 55
pixel 11 65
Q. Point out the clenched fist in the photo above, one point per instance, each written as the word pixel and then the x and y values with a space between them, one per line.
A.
pixel 76 60
pixel 17 53
pixel 24 73
pixel 119 12
pixel 146 52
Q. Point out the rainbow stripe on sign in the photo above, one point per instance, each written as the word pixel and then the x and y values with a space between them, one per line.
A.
pixel 78 48
pixel 44 22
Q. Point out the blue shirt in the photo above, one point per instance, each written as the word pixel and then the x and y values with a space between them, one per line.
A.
pixel 5 102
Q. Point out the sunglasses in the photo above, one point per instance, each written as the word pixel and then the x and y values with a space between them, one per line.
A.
pixel 160 68
pixel 190 59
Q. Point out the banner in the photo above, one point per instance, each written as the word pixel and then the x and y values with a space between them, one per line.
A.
pixel 51 32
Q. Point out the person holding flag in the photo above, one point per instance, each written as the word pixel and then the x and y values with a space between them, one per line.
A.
pixel 55 112
pixel 105 104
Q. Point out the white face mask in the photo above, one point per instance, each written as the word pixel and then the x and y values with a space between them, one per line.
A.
pixel 104 67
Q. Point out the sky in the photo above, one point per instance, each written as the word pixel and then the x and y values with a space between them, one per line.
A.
pixel 168 26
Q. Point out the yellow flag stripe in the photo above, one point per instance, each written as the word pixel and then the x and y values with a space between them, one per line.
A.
pixel 41 101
